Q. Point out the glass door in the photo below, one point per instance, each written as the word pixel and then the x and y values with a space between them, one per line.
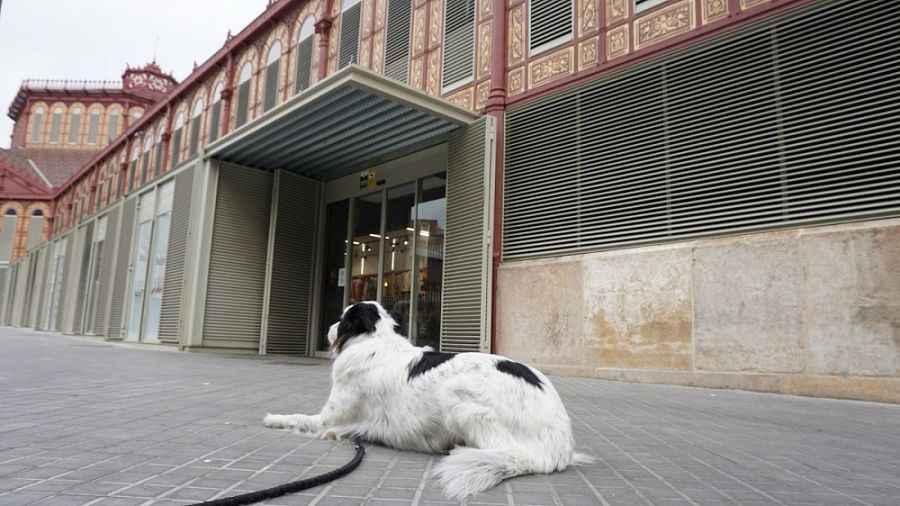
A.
pixel 90 308
pixel 387 246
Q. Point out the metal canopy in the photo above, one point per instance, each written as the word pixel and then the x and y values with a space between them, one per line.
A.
pixel 353 119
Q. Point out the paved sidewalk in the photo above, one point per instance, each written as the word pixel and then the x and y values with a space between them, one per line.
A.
pixel 87 422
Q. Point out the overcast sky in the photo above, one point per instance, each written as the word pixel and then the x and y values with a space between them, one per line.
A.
pixel 95 39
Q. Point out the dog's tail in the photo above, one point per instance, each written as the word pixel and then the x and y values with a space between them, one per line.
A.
pixel 468 471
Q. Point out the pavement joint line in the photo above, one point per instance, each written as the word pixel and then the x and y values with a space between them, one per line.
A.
pixel 553 494
pixel 384 474
pixel 423 481
pixel 590 485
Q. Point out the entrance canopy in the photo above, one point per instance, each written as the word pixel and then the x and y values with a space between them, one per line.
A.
pixel 353 119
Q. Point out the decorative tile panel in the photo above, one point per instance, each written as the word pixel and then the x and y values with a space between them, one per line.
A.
pixel 436 22
pixel 365 52
pixel 515 81
pixel 462 98
pixel 714 10
pixel 617 42
pixel 616 10
pixel 482 92
pixel 550 68
pixel 434 72
pixel 416 73
pixel 745 4
pixel 587 16
pixel 587 53
pixel 380 17
pixel 516 42
pixel 484 49
pixel 484 8
pixel 419 31
pixel 664 24
pixel 378 51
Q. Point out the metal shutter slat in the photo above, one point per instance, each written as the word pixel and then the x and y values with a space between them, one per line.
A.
pixel 176 255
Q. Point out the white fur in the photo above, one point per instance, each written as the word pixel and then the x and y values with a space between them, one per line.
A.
pixel 497 425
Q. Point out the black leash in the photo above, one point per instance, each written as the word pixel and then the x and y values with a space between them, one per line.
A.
pixel 294 486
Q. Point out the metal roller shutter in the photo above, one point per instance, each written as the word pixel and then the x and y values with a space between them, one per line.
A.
pixel 304 64
pixel 237 263
pixel 106 275
pixel 465 307
pixel 550 23
pixel 4 292
pixel 85 238
pixel 20 292
pixel 65 301
pixel 292 256
pixel 120 268
pixel 791 122
pixel 173 287
pixel 40 279
pixel 9 293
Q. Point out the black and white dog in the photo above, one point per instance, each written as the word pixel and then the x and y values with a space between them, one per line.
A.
pixel 501 418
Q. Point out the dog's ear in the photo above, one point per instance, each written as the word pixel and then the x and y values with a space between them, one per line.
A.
pixel 359 318
pixel 398 318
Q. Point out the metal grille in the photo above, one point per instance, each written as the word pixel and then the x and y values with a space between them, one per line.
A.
pixel 791 122
pixel 214 119
pixel 7 233
pixel 65 280
pixel 195 136
pixel 304 64
pixel 396 45
pixel 550 23
pixel 243 103
pixel 18 302
pixel 93 127
pixel 290 289
pixel 459 42
pixel 106 274
pixel 176 148
pixel 55 121
pixel 237 264
pixel 467 246
pixel 4 296
pixel 42 257
pixel 74 125
pixel 271 94
pixel 349 45
pixel 120 273
pixel 173 286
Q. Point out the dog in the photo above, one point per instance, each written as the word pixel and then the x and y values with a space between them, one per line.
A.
pixel 496 417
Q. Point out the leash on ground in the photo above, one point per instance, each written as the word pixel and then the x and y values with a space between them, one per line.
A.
pixel 294 486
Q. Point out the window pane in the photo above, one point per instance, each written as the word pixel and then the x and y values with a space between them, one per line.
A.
pixel 157 278
pixel 365 247
pixel 334 277
pixel 398 253
pixel 431 214
pixel 138 284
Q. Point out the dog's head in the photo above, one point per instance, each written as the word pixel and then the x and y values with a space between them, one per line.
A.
pixel 360 319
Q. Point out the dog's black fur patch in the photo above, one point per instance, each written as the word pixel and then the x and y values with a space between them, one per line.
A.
pixel 429 360
pixel 520 371
pixel 360 318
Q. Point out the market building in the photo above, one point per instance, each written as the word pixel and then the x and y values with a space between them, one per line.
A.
pixel 699 192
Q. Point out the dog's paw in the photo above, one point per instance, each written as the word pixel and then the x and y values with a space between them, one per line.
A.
pixel 280 421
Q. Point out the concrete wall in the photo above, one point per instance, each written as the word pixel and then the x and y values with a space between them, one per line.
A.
pixel 812 311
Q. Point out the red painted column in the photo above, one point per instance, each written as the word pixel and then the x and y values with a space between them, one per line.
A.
pixel 496 107
pixel 323 29
pixel 227 93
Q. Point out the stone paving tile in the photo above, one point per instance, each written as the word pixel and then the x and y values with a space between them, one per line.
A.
pixel 91 423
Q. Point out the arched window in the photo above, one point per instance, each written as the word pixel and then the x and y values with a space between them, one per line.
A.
pixel 459 44
pixel 35 223
pixel 158 156
pixel 304 54
pixel 176 140
pixel 93 126
pixel 215 113
pixel 37 122
pixel 134 177
pixel 396 45
pixel 348 47
pixel 196 116
pixel 145 158
pixel 55 123
pixel 549 24
pixel 243 95
pixel 7 234
pixel 112 129
pixel 74 125
pixel 273 64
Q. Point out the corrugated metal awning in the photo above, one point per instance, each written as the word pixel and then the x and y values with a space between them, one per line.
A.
pixel 353 119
